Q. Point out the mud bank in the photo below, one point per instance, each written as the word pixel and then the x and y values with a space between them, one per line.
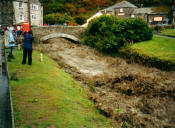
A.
pixel 143 97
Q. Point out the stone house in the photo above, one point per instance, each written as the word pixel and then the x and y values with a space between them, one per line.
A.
pixel 121 10
pixel 16 11
pixel 21 12
pixel 126 9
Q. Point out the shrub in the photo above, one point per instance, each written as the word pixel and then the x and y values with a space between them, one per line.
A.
pixel 81 19
pixel 107 33
pixel 137 30
pixel 99 34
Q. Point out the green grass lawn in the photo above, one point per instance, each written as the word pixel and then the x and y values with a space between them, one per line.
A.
pixel 159 47
pixel 46 97
pixel 170 32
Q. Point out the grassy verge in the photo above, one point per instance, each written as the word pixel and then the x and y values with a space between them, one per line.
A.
pixel 169 32
pixel 46 97
pixel 158 52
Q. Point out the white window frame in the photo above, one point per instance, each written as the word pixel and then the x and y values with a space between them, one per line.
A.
pixel 21 17
pixel 121 10
pixel 34 6
pixel 33 16
pixel 20 3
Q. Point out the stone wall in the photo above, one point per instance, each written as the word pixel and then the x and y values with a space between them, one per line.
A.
pixel 126 11
pixel 40 32
pixel 6 108
pixel 6 12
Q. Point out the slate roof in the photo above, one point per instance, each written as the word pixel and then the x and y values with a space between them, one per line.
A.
pixel 31 1
pixel 123 4
pixel 35 1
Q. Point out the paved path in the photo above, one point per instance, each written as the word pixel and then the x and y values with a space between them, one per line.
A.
pixel 5 109
pixel 164 36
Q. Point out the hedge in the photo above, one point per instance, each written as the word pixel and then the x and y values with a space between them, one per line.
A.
pixel 134 56
pixel 107 33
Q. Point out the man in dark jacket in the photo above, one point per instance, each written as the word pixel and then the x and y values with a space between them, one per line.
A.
pixel 27 47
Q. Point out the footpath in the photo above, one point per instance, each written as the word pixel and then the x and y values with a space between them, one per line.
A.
pixel 5 104
pixel 171 37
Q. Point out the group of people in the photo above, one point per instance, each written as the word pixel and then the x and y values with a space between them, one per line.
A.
pixel 9 37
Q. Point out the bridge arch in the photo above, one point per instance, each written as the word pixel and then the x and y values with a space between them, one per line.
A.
pixel 62 35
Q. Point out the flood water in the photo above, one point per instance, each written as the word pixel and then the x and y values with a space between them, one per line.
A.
pixel 146 95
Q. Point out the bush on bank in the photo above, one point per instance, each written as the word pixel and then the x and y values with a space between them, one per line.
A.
pixel 107 33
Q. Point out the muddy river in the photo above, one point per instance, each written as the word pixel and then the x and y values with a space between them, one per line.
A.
pixel 143 97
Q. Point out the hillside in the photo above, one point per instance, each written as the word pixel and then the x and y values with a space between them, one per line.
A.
pixel 79 10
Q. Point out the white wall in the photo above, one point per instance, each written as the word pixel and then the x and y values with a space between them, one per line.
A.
pixel 36 14
pixel 20 11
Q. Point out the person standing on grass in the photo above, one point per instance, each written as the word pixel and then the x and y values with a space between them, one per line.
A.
pixel 11 43
pixel 27 47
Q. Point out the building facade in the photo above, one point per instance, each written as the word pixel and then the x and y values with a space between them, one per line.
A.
pixel 126 9
pixel 21 12
pixel 14 12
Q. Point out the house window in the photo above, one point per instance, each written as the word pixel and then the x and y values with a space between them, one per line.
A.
pixel 34 17
pixel 34 7
pixel 121 9
pixel 20 5
pixel 21 17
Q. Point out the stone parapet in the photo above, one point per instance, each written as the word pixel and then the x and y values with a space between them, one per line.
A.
pixel 6 107
pixel 76 31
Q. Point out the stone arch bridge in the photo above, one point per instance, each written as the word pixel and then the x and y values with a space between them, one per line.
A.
pixel 74 33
